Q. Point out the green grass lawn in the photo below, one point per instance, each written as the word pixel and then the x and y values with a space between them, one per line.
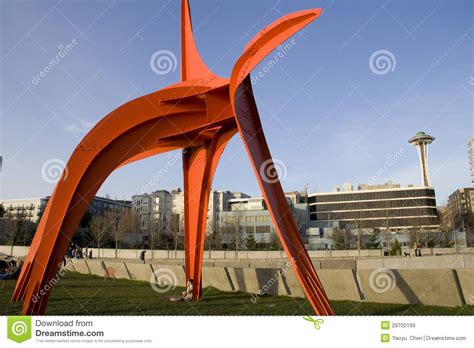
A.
pixel 78 294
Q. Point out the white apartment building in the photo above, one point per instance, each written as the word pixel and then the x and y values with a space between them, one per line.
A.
pixel 165 210
pixel 26 208
pixel 251 216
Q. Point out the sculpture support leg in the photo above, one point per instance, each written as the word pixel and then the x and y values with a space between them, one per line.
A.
pixel 196 199
pixel 199 165
pixel 254 139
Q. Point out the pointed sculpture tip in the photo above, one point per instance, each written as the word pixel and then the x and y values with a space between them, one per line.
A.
pixel 185 14
pixel 314 11
pixel 192 65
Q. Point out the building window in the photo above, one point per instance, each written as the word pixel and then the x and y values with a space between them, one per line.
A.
pixel 262 229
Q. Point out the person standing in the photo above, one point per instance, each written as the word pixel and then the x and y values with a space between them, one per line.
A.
pixel 142 256
pixel 418 247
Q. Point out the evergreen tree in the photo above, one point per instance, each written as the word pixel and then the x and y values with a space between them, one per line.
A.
pixel 2 211
pixel 431 243
pixel 396 248
pixel 446 241
pixel 372 240
pixel 339 237
pixel 250 242
pixel 275 243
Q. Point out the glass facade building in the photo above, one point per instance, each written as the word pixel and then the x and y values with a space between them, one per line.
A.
pixel 395 208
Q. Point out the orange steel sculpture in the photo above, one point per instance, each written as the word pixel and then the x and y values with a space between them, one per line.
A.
pixel 200 115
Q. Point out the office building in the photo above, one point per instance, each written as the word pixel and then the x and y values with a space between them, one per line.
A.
pixel 25 208
pixel 32 208
pixel 372 207
pixel 461 212
pixel 250 215
pixel 165 210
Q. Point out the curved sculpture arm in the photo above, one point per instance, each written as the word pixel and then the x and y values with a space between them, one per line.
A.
pixel 250 128
pixel 266 41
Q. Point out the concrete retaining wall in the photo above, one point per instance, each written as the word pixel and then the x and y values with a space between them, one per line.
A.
pixel 466 283
pixel 340 284
pixel 120 269
pixel 440 287
pixel 80 266
pixel 133 254
pixel 424 262
pixel 139 271
pixel 252 280
pixel 168 275
pixel 407 286
pixel 96 267
pixel 217 277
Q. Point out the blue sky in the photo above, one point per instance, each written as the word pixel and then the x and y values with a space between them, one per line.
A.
pixel 327 116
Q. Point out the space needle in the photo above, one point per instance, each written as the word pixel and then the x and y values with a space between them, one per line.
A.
pixel 421 141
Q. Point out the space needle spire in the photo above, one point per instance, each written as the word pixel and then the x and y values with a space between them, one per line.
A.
pixel 421 141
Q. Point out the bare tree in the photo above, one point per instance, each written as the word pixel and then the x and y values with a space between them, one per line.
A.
pixel 419 230
pixel 299 219
pixel 212 238
pixel 387 229
pixel 358 227
pixel 226 232
pixel 16 230
pixel 119 224
pixel 177 234
pixel 112 218
pixel 99 230
pixel 232 233
pixel 237 232
pixel 12 229
pixel 129 222
pixel 154 233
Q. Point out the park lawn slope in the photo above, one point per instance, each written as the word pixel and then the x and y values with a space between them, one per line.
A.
pixel 78 294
